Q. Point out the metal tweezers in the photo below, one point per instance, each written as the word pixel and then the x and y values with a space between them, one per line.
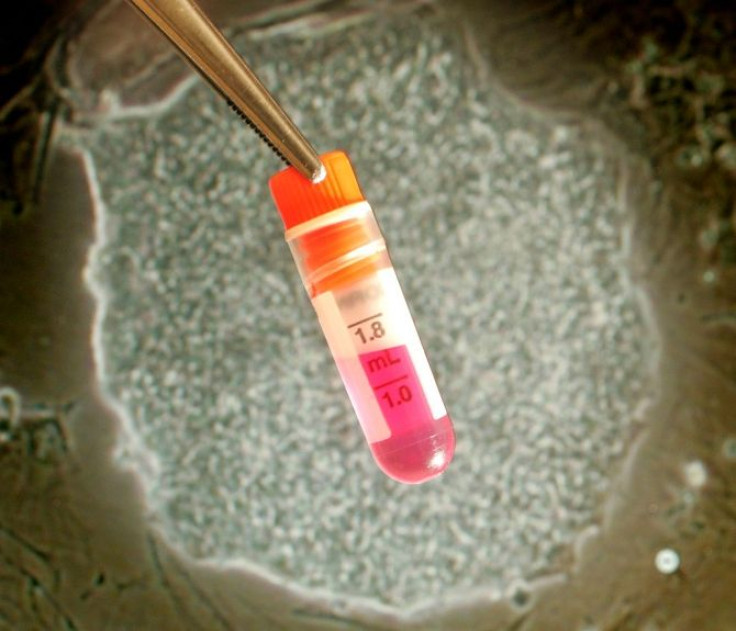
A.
pixel 194 35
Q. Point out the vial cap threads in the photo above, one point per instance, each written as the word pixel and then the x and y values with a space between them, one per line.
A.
pixel 299 200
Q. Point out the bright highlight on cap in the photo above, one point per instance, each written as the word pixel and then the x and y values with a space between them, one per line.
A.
pixel 320 175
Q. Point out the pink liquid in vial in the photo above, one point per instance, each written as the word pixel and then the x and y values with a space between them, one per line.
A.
pixel 419 447
pixel 419 454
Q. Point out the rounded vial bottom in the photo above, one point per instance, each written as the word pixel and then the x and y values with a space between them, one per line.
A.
pixel 418 455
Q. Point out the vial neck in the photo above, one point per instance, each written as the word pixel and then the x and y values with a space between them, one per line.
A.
pixel 342 246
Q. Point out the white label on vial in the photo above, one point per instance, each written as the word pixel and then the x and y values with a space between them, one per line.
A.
pixel 364 324
pixel 356 383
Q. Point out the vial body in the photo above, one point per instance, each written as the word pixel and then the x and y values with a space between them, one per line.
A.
pixel 347 272
pixel 371 334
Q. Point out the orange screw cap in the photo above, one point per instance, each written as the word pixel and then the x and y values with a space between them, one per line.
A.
pixel 299 200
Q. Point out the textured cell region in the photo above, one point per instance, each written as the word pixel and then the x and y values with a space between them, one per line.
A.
pixel 506 232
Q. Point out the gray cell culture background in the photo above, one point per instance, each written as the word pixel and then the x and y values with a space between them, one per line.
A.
pixel 178 451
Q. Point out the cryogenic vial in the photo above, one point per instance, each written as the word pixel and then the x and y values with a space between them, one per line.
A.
pixel 347 272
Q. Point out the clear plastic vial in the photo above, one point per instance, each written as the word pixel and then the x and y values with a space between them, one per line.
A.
pixel 347 272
